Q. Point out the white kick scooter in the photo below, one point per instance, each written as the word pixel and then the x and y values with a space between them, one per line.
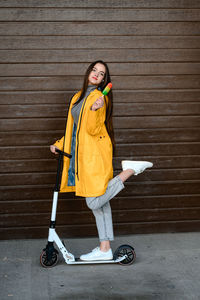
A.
pixel 124 255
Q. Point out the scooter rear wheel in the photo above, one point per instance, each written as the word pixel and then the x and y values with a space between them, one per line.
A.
pixel 125 250
pixel 48 262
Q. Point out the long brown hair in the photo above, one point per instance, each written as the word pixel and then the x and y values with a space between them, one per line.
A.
pixel 101 86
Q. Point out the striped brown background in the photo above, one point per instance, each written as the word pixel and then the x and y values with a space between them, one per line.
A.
pixel 153 51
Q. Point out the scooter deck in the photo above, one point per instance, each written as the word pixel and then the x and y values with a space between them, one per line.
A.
pixel 78 261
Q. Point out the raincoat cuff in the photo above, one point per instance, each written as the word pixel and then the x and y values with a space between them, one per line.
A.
pixel 59 143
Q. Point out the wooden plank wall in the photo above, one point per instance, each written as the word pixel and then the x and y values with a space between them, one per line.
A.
pixel 153 50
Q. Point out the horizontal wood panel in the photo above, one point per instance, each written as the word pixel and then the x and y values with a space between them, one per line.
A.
pixel 130 109
pixel 158 149
pixel 32 124
pixel 79 218
pixel 17 138
pixel 120 229
pixel 44 138
pixel 102 3
pixel 79 204
pixel 122 122
pixel 156 122
pixel 166 162
pixel 132 189
pixel 126 150
pixel 29 97
pixel 91 42
pixel 33 111
pixel 64 69
pixel 156 135
pixel 153 227
pixel 68 82
pixel 100 28
pixel 44 165
pixel 49 165
pixel 120 14
pixel 50 178
pixel 125 96
pixel 87 55
pixel 161 175
pixel 162 188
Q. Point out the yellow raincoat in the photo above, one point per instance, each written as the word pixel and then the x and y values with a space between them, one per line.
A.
pixel 93 152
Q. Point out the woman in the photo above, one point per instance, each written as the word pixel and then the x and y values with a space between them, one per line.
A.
pixel 89 138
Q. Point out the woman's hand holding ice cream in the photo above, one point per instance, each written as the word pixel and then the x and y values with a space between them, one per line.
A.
pixel 98 103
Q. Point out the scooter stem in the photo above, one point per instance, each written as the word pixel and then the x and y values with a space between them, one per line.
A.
pixel 60 159
pixel 54 208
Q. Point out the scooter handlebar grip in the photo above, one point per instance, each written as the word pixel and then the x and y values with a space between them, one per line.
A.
pixel 63 153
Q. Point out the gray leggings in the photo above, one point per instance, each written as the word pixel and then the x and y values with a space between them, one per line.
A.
pixel 101 209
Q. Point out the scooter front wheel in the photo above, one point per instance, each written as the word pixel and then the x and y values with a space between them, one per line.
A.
pixel 48 261
pixel 125 250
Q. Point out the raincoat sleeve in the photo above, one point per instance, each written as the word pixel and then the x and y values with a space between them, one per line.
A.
pixel 95 120
pixel 59 143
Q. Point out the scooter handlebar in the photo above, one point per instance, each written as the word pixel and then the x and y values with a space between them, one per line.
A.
pixel 63 153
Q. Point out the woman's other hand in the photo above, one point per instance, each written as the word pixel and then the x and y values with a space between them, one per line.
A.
pixel 98 103
pixel 53 149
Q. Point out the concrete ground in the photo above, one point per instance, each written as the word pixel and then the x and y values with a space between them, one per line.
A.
pixel 167 267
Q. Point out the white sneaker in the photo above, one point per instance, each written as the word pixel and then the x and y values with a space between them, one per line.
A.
pixel 137 166
pixel 97 254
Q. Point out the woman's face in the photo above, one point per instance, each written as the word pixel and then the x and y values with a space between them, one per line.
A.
pixel 97 74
